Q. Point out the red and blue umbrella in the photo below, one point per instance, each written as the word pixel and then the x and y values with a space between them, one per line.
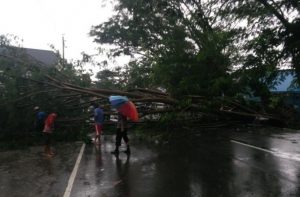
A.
pixel 124 106
pixel 117 101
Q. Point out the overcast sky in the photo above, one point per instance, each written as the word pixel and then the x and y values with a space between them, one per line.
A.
pixel 43 22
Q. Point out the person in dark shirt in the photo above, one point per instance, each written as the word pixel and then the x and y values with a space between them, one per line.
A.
pixel 121 134
pixel 40 118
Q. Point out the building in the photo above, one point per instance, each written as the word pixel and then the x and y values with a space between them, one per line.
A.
pixel 286 86
pixel 38 57
pixel 43 57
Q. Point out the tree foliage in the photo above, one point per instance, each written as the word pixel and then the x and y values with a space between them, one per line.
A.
pixel 19 93
pixel 183 47
pixel 209 47
pixel 177 41
pixel 271 31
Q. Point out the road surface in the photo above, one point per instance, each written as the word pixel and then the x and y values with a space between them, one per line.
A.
pixel 209 164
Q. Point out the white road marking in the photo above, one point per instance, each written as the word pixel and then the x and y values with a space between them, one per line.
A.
pixel 291 156
pixel 255 147
pixel 74 172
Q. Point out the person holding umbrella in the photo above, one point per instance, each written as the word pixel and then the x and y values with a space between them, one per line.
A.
pixel 126 109
pixel 121 134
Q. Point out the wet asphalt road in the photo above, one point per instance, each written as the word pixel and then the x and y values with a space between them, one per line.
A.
pixel 29 173
pixel 211 164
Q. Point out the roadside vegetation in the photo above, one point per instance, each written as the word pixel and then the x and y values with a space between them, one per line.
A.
pixel 194 64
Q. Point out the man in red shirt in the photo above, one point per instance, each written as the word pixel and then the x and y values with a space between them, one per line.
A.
pixel 48 129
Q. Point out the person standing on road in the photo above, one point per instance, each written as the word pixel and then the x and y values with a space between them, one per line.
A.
pixel 48 130
pixel 40 118
pixel 99 119
pixel 121 134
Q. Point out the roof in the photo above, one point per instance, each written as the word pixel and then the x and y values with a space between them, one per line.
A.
pixel 45 57
pixel 286 82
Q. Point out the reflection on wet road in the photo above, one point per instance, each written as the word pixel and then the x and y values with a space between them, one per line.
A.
pixel 29 173
pixel 208 164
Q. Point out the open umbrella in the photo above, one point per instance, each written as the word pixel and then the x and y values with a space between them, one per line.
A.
pixel 124 106
pixel 117 101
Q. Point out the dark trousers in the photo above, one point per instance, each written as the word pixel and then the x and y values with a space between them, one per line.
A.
pixel 121 135
pixel 39 126
pixel 47 138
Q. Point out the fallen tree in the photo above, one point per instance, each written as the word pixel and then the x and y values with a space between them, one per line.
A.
pixel 192 110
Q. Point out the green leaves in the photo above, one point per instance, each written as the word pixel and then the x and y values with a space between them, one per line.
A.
pixel 181 50
pixel 23 85
pixel 209 47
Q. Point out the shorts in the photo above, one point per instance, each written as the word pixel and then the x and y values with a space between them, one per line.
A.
pixel 98 128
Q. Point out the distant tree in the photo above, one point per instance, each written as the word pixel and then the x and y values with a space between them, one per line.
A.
pixel 108 79
pixel 140 75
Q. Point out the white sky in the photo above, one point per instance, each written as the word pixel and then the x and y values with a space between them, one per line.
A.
pixel 43 22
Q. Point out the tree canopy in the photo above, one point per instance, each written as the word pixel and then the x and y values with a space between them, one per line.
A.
pixel 182 49
pixel 191 46
pixel 195 56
